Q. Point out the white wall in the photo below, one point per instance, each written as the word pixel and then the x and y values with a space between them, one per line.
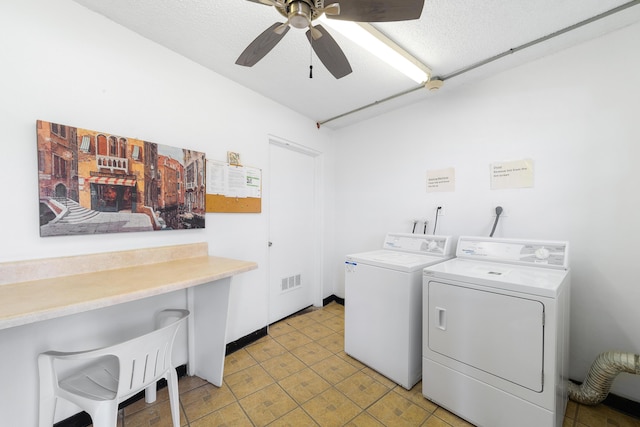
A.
pixel 65 64
pixel 576 115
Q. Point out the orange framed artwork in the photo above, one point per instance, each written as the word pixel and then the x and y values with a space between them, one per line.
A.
pixel 94 182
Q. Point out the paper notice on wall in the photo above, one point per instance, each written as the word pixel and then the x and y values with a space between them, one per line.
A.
pixel 443 180
pixel 236 182
pixel 216 177
pixel 514 174
pixel 233 181
pixel 254 182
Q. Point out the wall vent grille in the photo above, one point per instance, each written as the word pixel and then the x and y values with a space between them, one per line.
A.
pixel 291 282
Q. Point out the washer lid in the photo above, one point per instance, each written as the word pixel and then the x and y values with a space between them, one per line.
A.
pixel 395 260
pixel 517 278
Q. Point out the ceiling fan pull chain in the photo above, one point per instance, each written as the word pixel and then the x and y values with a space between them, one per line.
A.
pixel 311 58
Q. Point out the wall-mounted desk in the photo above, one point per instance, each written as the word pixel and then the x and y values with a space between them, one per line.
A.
pixel 38 290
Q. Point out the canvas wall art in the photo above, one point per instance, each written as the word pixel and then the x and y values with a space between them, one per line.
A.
pixel 97 182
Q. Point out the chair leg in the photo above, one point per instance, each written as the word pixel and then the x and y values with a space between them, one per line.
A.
pixel 150 393
pixel 105 414
pixel 174 396
pixel 46 411
pixel 47 392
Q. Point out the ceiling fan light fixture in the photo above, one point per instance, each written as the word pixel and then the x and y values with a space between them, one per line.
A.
pixel 368 37
pixel 299 14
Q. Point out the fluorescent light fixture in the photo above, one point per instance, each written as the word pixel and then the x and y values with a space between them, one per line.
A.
pixel 368 37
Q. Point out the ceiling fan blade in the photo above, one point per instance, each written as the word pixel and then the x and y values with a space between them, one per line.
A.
pixel 281 29
pixel 379 10
pixel 316 34
pixel 329 53
pixel 261 45
pixel 332 9
pixel 264 2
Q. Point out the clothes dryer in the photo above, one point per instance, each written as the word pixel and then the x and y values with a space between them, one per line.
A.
pixel 383 303
pixel 496 332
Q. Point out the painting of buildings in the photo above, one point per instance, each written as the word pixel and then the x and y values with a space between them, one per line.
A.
pixel 96 182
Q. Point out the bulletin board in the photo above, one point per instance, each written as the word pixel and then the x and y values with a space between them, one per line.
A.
pixel 233 188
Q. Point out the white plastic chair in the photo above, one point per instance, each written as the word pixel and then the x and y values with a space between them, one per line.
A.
pixel 110 375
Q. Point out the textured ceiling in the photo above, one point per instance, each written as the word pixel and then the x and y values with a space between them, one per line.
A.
pixel 450 36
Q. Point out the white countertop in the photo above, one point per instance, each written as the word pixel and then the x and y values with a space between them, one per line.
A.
pixel 162 270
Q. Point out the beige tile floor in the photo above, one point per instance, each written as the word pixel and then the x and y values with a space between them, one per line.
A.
pixel 299 375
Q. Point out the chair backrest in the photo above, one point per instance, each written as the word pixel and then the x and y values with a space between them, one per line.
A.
pixel 142 360
pixel 145 359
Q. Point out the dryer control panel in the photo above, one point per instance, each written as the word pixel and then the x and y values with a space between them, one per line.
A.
pixel 419 243
pixel 538 253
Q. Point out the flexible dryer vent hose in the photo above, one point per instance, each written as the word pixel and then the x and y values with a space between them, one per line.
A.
pixel 604 370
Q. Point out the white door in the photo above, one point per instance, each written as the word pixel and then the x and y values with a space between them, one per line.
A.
pixel 293 230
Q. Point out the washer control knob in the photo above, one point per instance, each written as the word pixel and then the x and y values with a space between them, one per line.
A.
pixel 433 245
pixel 542 253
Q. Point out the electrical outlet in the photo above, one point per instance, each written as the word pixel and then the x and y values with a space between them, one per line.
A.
pixel 440 210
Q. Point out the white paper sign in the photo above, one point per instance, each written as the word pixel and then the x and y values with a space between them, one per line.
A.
pixel 254 184
pixel 236 182
pixel 233 181
pixel 442 180
pixel 216 177
pixel 514 174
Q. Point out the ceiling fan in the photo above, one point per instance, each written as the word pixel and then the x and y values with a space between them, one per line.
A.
pixel 302 13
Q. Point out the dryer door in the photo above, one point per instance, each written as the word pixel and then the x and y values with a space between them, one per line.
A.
pixel 499 334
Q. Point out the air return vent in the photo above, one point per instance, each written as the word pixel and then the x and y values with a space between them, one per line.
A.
pixel 291 282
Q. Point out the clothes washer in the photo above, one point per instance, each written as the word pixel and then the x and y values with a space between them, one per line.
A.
pixel 383 303
pixel 496 332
